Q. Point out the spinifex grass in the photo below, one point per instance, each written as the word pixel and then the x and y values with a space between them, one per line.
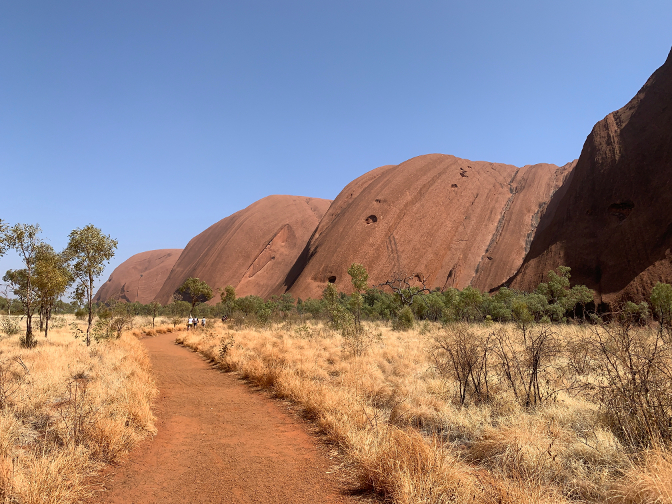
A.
pixel 401 421
pixel 67 411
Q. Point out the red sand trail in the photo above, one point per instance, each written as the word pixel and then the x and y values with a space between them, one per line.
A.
pixel 219 441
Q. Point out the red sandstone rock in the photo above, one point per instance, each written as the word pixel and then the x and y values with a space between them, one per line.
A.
pixel 611 223
pixel 449 220
pixel 139 278
pixel 254 249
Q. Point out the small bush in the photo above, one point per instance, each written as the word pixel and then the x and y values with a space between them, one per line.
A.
pixel 405 320
pixel 9 326
pixel 634 365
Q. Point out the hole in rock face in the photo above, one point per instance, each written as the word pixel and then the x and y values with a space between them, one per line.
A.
pixel 621 209
pixel 371 219
pixel 331 279
pixel 454 186
pixel 378 200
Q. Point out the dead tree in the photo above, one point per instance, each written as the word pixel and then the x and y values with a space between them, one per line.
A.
pixel 401 286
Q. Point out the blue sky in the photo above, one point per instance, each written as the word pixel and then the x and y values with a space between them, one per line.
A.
pixel 153 120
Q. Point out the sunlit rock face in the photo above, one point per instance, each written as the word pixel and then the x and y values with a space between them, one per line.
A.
pixel 253 250
pixel 449 221
pixel 139 278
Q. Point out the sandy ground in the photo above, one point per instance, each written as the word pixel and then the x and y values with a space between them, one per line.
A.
pixel 220 441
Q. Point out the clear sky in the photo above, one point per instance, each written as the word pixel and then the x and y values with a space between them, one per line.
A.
pixel 153 120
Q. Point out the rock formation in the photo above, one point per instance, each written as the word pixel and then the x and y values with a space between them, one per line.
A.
pixel 452 221
pixel 612 223
pixel 254 249
pixel 139 278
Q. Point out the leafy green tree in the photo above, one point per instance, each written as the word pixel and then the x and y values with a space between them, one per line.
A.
pixel 580 295
pixel 405 319
pixel 359 277
pixel 313 306
pixel 285 304
pixel 228 298
pixel 340 318
pixel 24 239
pixel 250 304
pixel 661 303
pixel 52 278
pixel 3 244
pixel 556 292
pixel 196 291
pixel 429 306
pixel 88 251
pixel 179 308
pixel 537 304
pixel 522 316
pixel 154 309
pixel 469 302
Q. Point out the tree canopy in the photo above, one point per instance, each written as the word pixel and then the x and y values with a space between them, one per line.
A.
pixel 88 251
pixel 195 291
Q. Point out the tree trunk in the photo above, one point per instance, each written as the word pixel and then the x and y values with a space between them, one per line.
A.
pixel 47 316
pixel 90 301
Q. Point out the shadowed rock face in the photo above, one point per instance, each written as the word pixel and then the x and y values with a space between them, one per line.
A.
pixel 452 221
pixel 139 278
pixel 254 249
pixel 612 223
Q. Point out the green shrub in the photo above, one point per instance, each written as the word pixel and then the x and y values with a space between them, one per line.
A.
pixel 405 320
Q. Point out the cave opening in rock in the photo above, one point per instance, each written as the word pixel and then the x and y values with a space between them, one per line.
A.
pixel 371 219
pixel 331 279
pixel 621 209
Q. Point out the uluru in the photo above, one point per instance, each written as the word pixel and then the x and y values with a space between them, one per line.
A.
pixel 612 222
pixel 254 249
pixel 140 277
pixel 450 221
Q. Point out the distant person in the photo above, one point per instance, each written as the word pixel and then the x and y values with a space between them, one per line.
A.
pixel 224 318
pixel 203 322
pixel 189 322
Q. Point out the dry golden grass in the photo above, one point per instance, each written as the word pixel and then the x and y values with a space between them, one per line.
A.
pixel 396 417
pixel 70 411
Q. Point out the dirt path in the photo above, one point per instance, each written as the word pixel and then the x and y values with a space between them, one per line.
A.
pixel 219 441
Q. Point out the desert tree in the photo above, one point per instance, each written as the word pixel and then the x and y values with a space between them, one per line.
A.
pixel 580 295
pixel 24 239
pixel 52 278
pixel 88 251
pixel 285 304
pixel 154 309
pixel 359 278
pixel 403 288
pixel 195 291
pixel 3 230
pixel 634 386
pixel 462 354
pixel 228 298
pixel 661 302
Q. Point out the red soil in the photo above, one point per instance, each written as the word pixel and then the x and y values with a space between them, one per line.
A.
pixel 219 441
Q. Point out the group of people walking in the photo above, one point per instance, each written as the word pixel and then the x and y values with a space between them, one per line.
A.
pixel 193 322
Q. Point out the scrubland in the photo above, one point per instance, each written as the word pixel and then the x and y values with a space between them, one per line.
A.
pixel 420 432
pixel 67 410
